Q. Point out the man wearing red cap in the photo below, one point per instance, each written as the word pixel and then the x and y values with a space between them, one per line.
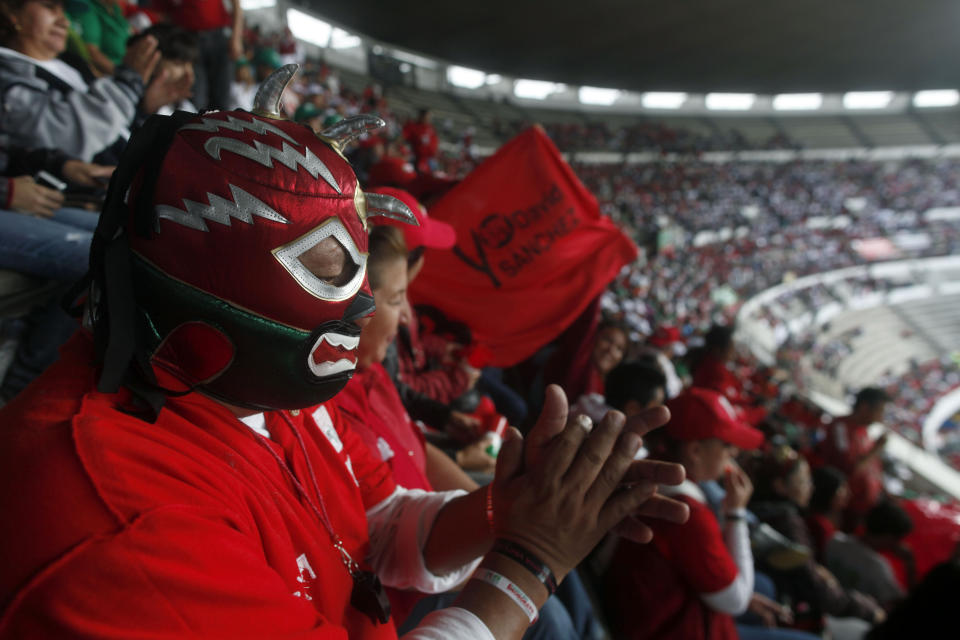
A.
pixel 692 579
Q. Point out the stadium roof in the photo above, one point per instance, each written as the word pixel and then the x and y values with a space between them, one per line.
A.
pixel 764 46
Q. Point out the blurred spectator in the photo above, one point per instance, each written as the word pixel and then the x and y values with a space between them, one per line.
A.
pixel 691 579
pixel 825 513
pixel 41 238
pixel 848 447
pixel 179 52
pixel 49 104
pixel 244 87
pixel 422 138
pixel 104 30
pixel 858 563
pixel 219 31
pixel 784 489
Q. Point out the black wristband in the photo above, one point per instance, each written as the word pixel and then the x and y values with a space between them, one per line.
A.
pixel 522 556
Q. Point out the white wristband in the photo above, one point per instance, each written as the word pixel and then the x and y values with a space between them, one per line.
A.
pixel 510 589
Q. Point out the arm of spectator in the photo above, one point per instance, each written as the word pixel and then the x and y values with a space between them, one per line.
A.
pixel 78 123
pixel 86 174
pixel 236 32
pixel 25 195
pixel 26 161
pixel 102 65
pixel 875 451
pixel 735 597
pixel 444 474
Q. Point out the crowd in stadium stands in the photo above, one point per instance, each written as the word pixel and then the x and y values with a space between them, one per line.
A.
pixel 642 137
pixel 794 529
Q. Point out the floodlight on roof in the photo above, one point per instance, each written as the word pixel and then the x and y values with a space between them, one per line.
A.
pixel 867 99
pixel 797 101
pixel 535 89
pixel 342 39
pixel 250 5
pixel 730 101
pixel 663 99
pixel 936 98
pixel 596 95
pixel 464 77
pixel 309 29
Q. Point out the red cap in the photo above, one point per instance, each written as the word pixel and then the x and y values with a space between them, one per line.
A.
pixel 431 233
pixel 699 414
pixel 665 336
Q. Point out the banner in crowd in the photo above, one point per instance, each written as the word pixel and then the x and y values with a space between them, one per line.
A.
pixel 533 250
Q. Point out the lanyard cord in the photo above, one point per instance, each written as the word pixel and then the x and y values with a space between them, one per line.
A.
pixel 321 513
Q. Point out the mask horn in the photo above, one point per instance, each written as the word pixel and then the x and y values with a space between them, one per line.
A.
pixel 386 206
pixel 349 129
pixel 267 102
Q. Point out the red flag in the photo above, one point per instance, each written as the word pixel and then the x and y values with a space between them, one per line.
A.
pixel 532 250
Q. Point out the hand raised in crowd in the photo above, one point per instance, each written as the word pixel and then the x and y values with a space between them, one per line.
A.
pixel 166 88
pixel 143 56
pixel 30 197
pixel 738 487
pixel 770 611
pixel 86 174
pixel 559 494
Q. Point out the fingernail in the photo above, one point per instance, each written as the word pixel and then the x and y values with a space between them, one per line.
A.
pixel 585 422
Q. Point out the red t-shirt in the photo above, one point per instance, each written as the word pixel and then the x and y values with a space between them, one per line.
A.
pixel 844 444
pixel 186 527
pixel 371 407
pixel 196 15
pixel 654 589
pixel 422 138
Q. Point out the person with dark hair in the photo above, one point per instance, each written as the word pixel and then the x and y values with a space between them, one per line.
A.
pixel 193 481
pixel 848 446
pixel 179 52
pixel 829 499
pixel 711 370
pixel 859 563
pixel 219 32
pixel 784 488
pixel 632 387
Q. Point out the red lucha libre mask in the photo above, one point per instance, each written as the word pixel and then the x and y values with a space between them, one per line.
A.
pixel 241 199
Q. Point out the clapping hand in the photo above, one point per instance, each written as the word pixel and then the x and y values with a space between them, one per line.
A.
pixel 563 489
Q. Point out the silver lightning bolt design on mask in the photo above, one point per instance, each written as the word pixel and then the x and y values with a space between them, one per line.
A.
pixel 213 125
pixel 265 155
pixel 244 207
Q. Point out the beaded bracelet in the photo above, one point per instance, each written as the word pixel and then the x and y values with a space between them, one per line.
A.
pixel 528 561
pixel 511 590
pixel 488 510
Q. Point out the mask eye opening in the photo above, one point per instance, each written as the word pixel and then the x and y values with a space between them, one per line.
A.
pixel 341 288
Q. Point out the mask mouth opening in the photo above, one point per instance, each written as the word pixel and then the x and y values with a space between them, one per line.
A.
pixel 333 353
